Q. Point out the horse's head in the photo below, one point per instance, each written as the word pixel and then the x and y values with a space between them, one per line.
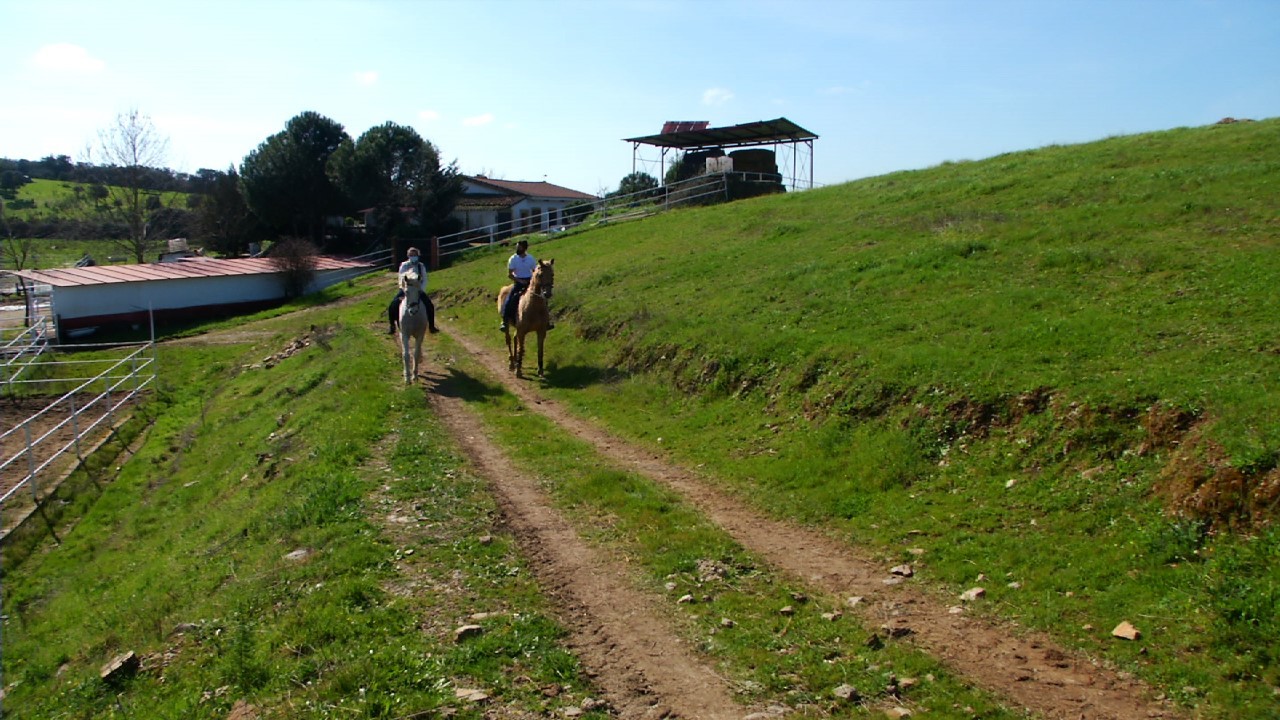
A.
pixel 409 284
pixel 544 278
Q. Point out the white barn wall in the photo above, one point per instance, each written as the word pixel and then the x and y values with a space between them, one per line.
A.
pixel 71 303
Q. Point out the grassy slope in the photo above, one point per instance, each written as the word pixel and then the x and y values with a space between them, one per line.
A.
pixel 183 559
pixel 54 197
pixel 891 394
pixel 1055 368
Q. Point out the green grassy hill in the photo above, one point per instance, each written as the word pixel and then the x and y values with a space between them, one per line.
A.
pixel 1051 373
pixel 1057 366
pixel 50 199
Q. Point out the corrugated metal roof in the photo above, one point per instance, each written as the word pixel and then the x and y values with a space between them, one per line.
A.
pixel 186 268
pixel 764 132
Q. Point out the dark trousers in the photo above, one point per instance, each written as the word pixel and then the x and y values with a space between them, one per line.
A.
pixel 393 310
pixel 513 301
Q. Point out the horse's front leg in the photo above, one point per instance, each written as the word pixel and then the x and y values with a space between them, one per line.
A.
pixel 542 336
pixel 406 360
pixel 518 361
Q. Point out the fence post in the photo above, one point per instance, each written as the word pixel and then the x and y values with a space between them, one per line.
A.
pixel 31 462
pixel 75 426
pixel 433 253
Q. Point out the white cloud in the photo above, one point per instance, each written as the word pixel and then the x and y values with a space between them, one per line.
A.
pixel 478 120
pixel 428 115
pixel 716 96
pixel 67 58
pixel 367 78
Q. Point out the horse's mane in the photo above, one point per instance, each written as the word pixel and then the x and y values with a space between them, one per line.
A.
pixel 407 278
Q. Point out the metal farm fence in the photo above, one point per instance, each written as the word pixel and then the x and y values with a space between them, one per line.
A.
pixel 700 190
pixel 88 400
pixel 55 404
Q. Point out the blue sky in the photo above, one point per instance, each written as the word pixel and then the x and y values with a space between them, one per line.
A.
pixel 547 89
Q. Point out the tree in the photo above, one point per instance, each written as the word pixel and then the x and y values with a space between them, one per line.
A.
pixel 295 260
pixel 98 193
pixel 637 182
pixel 17 251
pixel 223 218
pixel 285 181
pixel 392 170
pixel 134 149
pixel 677 170
pixel 10 181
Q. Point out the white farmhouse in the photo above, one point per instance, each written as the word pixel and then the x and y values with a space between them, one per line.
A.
pixel 512 207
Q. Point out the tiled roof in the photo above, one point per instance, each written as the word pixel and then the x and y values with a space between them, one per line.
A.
pixel 533 189
pixel 186 268
pixel 476 202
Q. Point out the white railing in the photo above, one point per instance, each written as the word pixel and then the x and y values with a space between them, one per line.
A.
pixel 611 209
pixel 89 408
pixel 25 333
pixel 375 261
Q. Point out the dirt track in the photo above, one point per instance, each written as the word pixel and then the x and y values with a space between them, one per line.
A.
pixel 623 638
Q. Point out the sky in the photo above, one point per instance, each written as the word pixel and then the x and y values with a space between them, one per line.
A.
pixel 549 89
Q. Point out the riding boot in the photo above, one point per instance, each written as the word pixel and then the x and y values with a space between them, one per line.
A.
pixel 431 314
pixel 392 311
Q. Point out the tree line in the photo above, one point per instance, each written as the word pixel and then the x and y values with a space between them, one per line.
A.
pixel 311 181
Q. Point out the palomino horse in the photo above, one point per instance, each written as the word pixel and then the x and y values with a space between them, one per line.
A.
pixel 532 314
pixel 413 323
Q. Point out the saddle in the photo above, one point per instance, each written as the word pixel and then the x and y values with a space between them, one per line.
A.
pixel 513 300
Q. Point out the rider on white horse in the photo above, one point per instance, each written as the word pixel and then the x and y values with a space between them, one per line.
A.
pixel 393 309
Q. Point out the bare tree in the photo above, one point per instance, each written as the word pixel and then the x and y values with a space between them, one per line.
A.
pixel 295 259
pixel 135 148
pixel 16 251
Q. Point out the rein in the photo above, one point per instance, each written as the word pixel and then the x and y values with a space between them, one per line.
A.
pixel 538 286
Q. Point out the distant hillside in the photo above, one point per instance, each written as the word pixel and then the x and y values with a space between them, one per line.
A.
pixel 71 210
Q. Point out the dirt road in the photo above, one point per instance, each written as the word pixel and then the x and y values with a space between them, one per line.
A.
pixel 622 636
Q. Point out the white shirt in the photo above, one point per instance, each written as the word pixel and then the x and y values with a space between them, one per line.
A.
pixel 523 266
pixel 407 265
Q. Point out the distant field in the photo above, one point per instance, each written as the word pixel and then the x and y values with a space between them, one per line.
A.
pixel 51 200
pixel 56 252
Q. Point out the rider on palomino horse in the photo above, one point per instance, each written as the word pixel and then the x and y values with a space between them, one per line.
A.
pixel 519 270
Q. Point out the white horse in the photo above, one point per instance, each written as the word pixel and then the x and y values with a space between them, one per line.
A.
pixel 413 323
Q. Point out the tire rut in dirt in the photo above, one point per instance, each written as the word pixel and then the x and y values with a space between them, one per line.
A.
pixel 1028 669
pixel 616 630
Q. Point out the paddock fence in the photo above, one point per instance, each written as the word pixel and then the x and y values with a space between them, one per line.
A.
pixel 700 190
pixel 58 407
